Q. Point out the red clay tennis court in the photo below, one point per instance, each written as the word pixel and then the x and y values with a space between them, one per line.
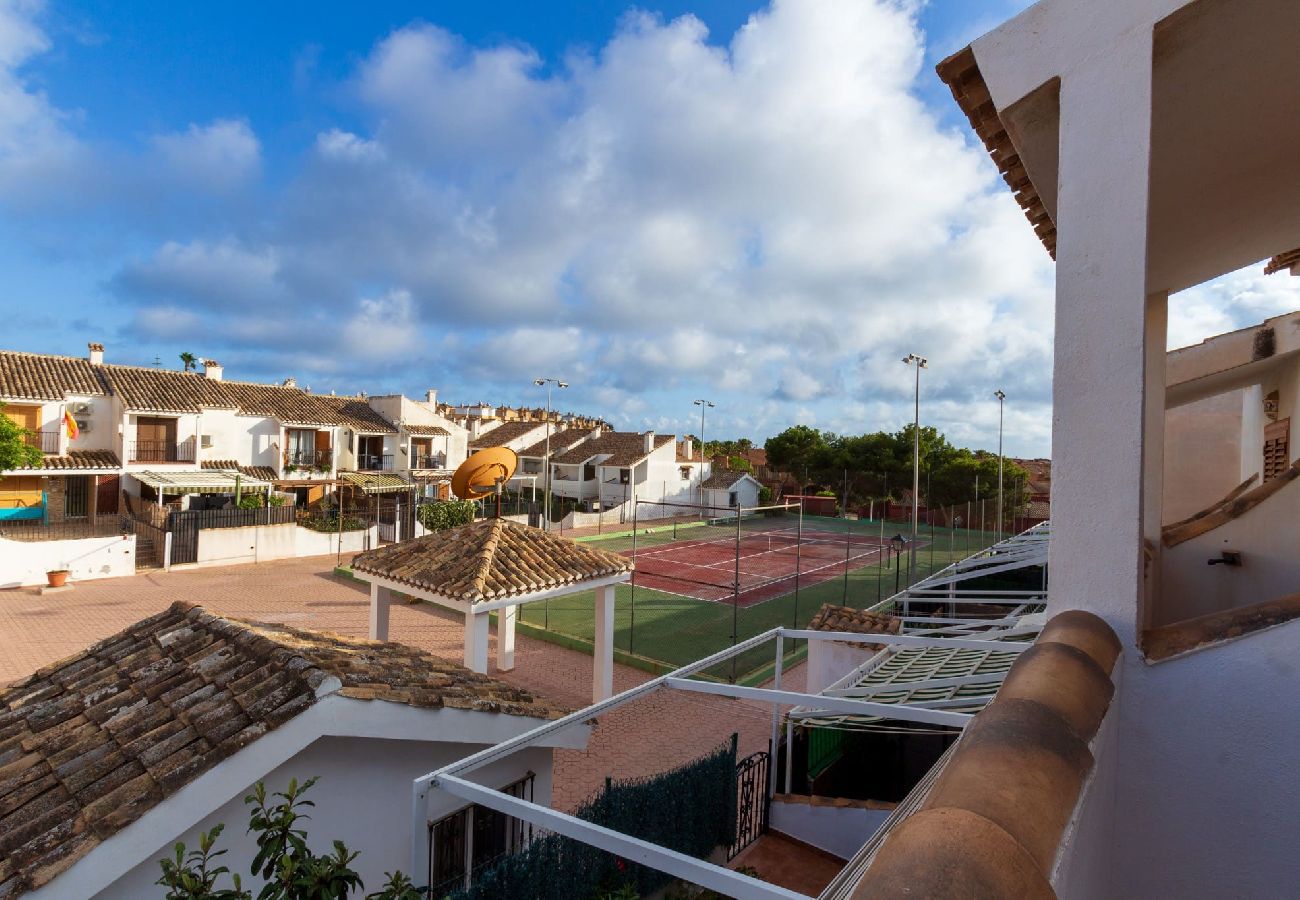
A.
pixel 707 566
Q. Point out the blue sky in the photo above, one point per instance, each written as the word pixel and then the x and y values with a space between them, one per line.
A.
pixel 763 204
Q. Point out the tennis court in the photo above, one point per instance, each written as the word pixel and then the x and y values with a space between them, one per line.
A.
pixel 747 565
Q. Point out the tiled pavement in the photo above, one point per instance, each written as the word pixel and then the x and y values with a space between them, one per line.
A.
pixel 645 737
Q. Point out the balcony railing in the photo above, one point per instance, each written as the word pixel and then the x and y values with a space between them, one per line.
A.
pixel 45 441
pixel 428 460
pixel 309 459
pixel 161 451
pixel 370 462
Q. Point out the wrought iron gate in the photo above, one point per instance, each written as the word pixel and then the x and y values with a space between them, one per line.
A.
pixel 752 802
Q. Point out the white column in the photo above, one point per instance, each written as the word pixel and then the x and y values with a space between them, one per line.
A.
pixel 1099 408
pixel 602 687
pixel 506 638
pixel 1252 431
pixel 476 642
pixel 381 598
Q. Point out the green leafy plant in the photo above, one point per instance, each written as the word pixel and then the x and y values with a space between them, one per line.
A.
pixel 446 514
pixel 15 452
pixel 193 876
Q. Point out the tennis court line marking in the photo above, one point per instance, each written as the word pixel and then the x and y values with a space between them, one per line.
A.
pixel 688 543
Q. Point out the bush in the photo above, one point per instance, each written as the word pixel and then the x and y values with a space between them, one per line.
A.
pixel 444 514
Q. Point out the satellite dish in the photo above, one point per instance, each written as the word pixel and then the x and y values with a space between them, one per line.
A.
pixel 480 475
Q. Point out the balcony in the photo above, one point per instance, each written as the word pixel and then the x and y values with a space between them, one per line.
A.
pixel 320 460
pixel 428 460
pixel 161 452
pixel 46 441
pixel 370 462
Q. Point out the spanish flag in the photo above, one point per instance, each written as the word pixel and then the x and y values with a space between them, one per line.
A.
pixel 71 424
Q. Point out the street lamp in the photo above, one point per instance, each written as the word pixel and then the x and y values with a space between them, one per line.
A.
pixel 921 363
pixel 546 498
pixel 702 404
pixel 1001 396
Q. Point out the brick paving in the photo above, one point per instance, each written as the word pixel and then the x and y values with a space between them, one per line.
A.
pixel 645 737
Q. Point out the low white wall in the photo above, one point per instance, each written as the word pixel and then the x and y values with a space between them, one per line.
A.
pixel 839 830
pixel 829 661
pixel 262 543
pixel 26 562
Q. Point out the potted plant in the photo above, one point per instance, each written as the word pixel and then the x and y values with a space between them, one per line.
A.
pixel 57 577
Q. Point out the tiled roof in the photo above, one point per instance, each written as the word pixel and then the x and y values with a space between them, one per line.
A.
pixel 859 621
pixel 561 441
pixel 488 560
pixel 288 404
pixel 78 459
pixel 722 480
pixel 1282 261
pixel 992 823
pixel 38 376
pixel 261 473
pixel 962 74
pixel 165 390
pixel 626 448
pixel 435 430
pixel 505 433
pixel 358 415
pixel 92 743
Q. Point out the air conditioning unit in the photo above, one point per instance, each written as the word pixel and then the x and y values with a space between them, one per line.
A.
pixel 205 441
pixel 83 425
pixel 80 408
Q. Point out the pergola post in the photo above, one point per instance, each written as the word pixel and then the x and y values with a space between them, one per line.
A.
pixel 381 598
pixel 602 687
pixel 506 638
pixel 476 641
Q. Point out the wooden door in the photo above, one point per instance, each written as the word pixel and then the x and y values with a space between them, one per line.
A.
pixel 28 417
pixel 106 494
pixel 155 440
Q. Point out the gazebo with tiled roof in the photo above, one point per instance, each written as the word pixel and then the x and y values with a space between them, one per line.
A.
pixel 496 565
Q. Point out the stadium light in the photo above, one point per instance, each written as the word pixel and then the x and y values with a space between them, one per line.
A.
pixel 1001 397
pixel 921 363
pixel 702 404
pixel 546 498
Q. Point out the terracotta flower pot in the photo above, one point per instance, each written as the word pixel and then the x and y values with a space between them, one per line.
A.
pixel 57 578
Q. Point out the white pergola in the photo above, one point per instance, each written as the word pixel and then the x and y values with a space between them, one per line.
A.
pixel 496 566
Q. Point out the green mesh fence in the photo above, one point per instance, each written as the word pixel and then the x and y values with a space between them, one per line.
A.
pixel 691 809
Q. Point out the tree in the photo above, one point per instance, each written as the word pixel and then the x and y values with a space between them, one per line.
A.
pixel 794 449
pixel 189 360
pixel 15 452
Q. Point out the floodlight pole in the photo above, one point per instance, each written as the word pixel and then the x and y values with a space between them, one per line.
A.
pixel 702 404
pixel 1001 397
pixel 921 363
pixel 546 498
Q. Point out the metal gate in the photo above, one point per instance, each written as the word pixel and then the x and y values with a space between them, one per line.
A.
pixel 752 802
pixel 185 538
pixel 149 542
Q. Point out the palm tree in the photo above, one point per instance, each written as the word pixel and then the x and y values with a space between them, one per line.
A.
pixel 190 361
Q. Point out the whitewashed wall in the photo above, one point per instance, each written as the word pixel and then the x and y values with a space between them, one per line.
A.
pixel 262 543
pixel 829 661
pixel 26 562
pixel 839 830
pixel 363 798
pixel 252 440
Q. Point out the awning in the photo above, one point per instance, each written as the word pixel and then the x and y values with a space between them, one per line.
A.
pixel 205 481
pixel 377 483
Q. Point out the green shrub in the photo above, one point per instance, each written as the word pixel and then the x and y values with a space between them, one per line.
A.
pixel 444 514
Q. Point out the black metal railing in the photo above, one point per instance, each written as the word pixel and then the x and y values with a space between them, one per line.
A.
pixel 65 529
pixel 373 462
pixel 309 459
pixel 161 451
pixel 46 441
pixel 428 460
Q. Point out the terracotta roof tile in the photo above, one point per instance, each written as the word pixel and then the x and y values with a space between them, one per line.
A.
pixel 504 433
pixel 358 415
pixel 91 743
pixel 165 390
pixel 845 618
pixel 723 479
pixel 561 442
pixel 435 430
pixel 625 448
pixel 77 460
pixel 488 560
pixel 287 404
pixel 38 376
pixel 1282 261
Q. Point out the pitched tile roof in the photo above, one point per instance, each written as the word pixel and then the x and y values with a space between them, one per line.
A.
pixel 845 618
pixel 625 448
pixel 992 822
pixel 436 430
pixel 288 404
pixel 358 415
pixel 78 459
pixel 1282 261
pixel 261 473
pixel 489 560
pixel 38 376
pixel 962 74
pixel 91 743
pixel 166 390
pixel 722 480
pixel 561 441
pixel 505 433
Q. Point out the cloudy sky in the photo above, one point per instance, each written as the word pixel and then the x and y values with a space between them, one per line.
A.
pixel 763 204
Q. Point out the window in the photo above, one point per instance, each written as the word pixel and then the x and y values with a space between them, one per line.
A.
pixel 475 837
pixel 1277 453
pixel 685 472
pixel 733 499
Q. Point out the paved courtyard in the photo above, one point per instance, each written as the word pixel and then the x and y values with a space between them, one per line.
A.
pixel 645 737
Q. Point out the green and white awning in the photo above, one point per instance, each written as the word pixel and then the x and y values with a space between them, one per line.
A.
pixel 204 481
pixel 377 483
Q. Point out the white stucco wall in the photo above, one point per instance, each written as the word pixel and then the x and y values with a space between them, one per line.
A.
pixel 840 830
pixel 829 661
pixel 262 543
pixel 251 440
pixel 1202 454
pixel 26 562
pixel 363 798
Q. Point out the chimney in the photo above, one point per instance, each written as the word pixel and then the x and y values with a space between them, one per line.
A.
pixel 688 447
pixel 431 398
pixel 649 441
pixel 473 424
pixel 290 382
pixel 96 356
pixel 211 370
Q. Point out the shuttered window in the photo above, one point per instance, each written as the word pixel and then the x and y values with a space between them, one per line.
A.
pixel 1277 450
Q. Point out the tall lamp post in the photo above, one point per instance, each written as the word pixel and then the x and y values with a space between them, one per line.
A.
pixel 702 404
pixel 1001 397
pixel 921 363
pixel 546 498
